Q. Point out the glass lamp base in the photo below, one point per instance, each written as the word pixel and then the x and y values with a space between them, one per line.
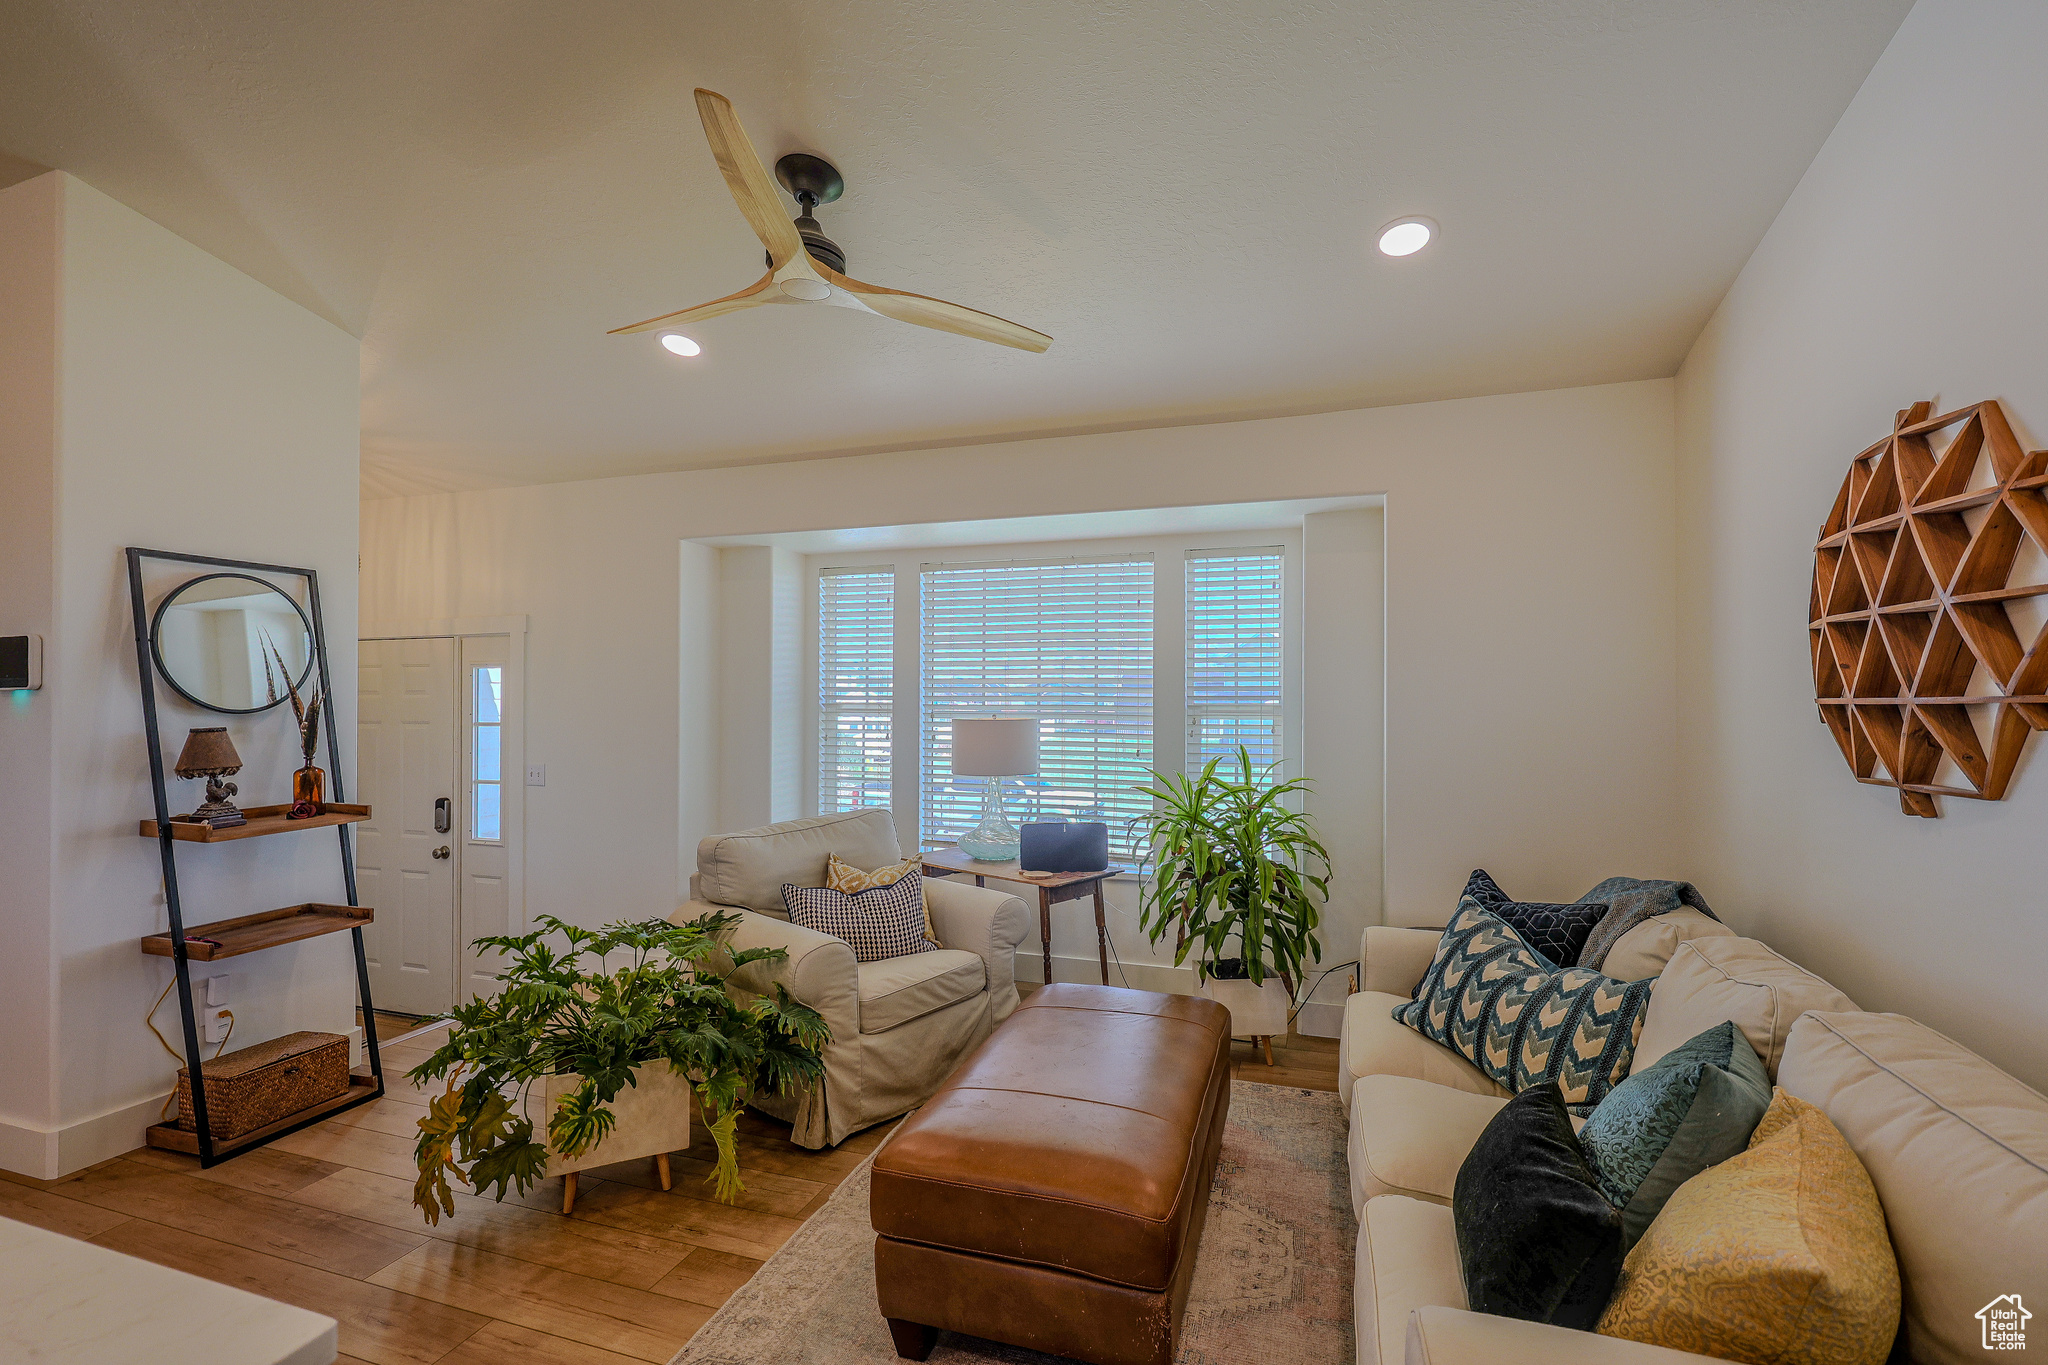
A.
pixel 994 840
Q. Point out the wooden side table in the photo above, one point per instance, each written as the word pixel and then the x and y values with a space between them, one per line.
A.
pixel 1052 887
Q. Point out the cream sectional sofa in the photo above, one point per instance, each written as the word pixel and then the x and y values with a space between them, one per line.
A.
pixel 1958 1149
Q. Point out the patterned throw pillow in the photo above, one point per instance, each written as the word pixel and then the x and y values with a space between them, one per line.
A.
pixel 1692 1108
pixel 844 876
pixel 1495 1001
pixel 1779 1253
pixel 879 923
pixel 1557 931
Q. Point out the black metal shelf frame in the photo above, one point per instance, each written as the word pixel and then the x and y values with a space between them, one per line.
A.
pixel 167 845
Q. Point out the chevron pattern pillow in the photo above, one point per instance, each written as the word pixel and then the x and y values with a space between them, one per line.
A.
pixel 879 923
pixel 1501 1005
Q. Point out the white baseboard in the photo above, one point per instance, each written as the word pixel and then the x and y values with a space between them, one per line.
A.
pixel 1139 976
pixel 49 1153
pixel 1321 1019
pixel 1318 1018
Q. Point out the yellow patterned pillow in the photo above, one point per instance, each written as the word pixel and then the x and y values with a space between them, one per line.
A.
pixel 844 876
pixel 1777 1256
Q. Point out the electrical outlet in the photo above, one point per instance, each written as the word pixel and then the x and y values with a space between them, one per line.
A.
pixel 214 1025
pixel 216 991
pixel 536 774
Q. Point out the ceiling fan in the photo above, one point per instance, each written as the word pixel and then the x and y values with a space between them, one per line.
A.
pixel 804 264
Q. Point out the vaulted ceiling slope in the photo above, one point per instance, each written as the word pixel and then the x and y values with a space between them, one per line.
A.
pixel 1185 195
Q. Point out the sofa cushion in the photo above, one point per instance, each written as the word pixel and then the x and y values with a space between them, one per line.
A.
pixel 1536 1238
pixel 898 989
pixel 748 868
pixel 1409 1137
pixel 1958 1151
pixel 1407 1259
pixel 1645 950
pixel 1778 1254
pixel 1373 1044
pixel 1558 931
pixel 1711 979
pixel 1666 1123
pixel 1498 1003
pixel 880 922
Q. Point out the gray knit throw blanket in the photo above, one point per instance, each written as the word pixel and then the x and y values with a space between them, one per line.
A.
pixel 1630 901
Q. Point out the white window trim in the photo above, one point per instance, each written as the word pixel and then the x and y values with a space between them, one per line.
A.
pixel 1169 718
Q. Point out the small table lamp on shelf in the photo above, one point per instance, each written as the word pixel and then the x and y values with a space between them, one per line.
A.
pixel 210 754
pixel 994 749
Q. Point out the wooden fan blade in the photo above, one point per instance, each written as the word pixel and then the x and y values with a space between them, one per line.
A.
pixel 752 187
pixel 946 317
pixel 752 296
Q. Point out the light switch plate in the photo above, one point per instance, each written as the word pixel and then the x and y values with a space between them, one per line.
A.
pixel 536 774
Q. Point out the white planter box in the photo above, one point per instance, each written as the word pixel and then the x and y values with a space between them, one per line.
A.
pixel 653 1118
pixel 1256 1009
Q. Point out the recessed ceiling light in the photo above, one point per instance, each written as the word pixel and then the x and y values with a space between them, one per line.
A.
pixel 681 345
pixel 1406 236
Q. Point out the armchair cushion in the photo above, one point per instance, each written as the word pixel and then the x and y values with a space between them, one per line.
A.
pixel 749 868
pixel 899 989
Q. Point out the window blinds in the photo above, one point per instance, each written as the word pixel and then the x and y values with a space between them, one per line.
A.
pixel 1068 642
pixel 856 666
pixel 1233 655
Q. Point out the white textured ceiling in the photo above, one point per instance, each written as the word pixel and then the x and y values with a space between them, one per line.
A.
pixel 1183 194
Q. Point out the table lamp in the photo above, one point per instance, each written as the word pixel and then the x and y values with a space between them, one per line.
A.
pixel 210 754
pixel 994 749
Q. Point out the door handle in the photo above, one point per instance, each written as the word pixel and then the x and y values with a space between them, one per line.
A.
pixel 441 852
pixel 441 815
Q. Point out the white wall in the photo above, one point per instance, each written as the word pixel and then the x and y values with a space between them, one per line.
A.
pixel 1908 265
pixel 195 411
pixel 1530 589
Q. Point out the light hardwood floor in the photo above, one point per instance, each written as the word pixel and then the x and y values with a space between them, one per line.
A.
pixel 324 1219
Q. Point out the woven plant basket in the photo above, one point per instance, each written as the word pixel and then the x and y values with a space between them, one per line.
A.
pixel 254 1087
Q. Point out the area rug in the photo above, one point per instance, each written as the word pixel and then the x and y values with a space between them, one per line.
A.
pixel 1272 1278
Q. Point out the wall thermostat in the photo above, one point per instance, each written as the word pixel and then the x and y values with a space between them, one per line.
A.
pixel 21 663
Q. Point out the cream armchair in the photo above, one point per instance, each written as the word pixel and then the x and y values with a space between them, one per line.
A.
pixel 899 1026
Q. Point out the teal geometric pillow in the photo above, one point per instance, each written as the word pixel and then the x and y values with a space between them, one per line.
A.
pixel 1694 1108
pixel 1498 1003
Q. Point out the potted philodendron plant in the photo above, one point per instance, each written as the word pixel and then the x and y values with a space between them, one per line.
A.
pixel 1238 879
pixel 587 1052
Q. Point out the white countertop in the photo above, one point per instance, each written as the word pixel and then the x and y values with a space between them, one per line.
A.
pixel 67 1302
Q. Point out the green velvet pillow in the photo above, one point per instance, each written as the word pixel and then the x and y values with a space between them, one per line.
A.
pixel 1694 1108
pixel 1536 1240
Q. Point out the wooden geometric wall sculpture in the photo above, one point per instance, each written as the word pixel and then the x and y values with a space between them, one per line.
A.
pixel 1927 624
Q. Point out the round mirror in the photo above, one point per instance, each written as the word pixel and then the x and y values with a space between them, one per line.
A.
pixel 227 642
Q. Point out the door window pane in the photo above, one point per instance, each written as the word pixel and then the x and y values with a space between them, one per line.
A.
pixel 487 692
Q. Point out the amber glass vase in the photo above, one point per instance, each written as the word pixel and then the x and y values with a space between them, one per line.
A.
pixel 309 789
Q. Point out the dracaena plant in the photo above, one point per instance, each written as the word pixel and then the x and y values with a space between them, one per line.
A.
pixel 564 1013
pixel 1236 873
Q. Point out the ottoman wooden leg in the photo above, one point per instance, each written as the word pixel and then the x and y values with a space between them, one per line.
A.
pixel 914 1340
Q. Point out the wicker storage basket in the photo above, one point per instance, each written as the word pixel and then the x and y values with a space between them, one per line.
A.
pixel 256 1086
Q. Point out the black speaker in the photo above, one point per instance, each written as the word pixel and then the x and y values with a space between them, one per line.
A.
pixel 1063 846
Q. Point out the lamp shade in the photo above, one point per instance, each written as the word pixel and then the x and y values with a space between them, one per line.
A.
pixel 208 752
pixel 995 748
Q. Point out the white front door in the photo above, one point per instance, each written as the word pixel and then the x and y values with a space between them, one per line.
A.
pixel 409 755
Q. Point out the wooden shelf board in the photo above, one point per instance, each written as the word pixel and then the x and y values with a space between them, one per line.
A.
pixel 262 820
pixel 2032 699
pixel 251 933
pixel 172 1138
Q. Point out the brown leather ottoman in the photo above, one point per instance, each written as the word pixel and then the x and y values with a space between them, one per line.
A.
pixel 1052 1194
